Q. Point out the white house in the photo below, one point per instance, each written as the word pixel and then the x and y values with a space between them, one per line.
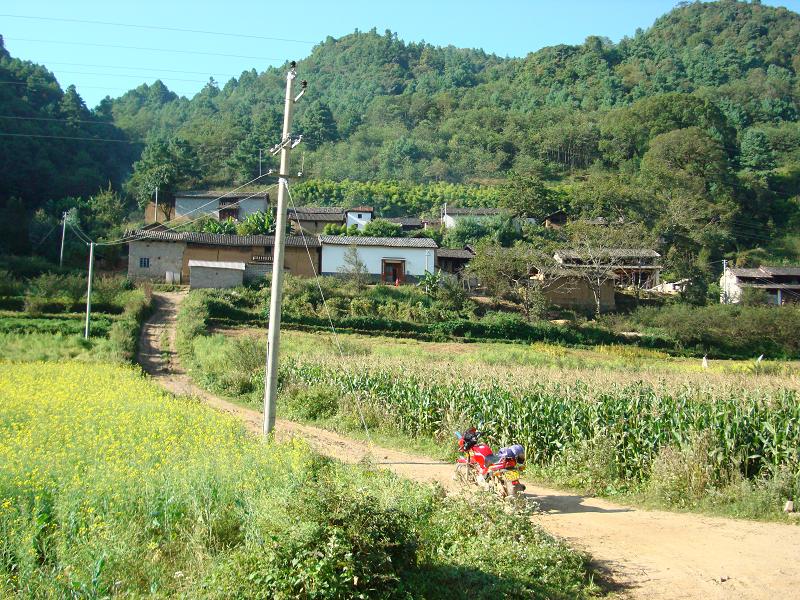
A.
pixel 392 260
pixel 220 205
pixel 782 284
pixel 452 215
pixel 358 216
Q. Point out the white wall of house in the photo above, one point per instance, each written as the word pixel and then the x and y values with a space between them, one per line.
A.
pixel 730 291
pixel 214 277
pixel 160 258
pixel 450 221
pixel 252 205
pixel 373 257
pixel 360 219
pixel 195 207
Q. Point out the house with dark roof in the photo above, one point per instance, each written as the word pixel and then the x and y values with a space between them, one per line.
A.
pixel 407 223
pixel 221 205
pixel 167 255
pixel 782 284
pixel 313 219
pixel 454 260
pixel 631 266
pixel 389 260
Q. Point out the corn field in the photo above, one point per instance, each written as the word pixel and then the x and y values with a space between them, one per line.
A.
pixel 754 432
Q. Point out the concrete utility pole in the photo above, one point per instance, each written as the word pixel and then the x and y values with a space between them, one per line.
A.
pixel 273 337
pixel 155 211
pixel 89 290
pixel 63 235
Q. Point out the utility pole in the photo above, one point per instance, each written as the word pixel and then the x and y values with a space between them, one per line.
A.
pixel 63 235
pixel 259 162
pixel 155 212
pixel 273 336
pixel 89 290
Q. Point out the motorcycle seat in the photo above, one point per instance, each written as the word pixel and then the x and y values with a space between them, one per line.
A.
pixel 491 459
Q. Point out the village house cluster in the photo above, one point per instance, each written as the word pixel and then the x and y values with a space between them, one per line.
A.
pixel 208 260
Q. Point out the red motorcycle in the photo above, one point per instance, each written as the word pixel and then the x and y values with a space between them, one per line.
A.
pixel 479 465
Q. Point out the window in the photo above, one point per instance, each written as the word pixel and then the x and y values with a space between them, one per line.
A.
pixel 359 216
pixel 144 263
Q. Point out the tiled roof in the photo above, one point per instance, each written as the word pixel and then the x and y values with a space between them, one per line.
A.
pixel 455 253
pixel 361 208
pixel 406 221
pixel 221 194
pixel 744 272
pixel 217 239
pixel 317 210
pixel 473 212
pixel 782 271
pixel 346 240
pixel 612 253
pixel 217 264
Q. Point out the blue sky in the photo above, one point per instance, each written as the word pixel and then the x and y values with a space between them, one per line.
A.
pixel 184 60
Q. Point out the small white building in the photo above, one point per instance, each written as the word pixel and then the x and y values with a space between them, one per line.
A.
pixel 391 260
pixel 215 274
pixel 781 284
pixel 358 216
pixel 220 205
pixel 451 216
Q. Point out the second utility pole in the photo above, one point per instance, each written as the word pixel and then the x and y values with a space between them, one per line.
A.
pixel 274 333
pixel 63 235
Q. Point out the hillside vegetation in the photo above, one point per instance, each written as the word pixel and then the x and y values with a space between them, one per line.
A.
pixel 689 127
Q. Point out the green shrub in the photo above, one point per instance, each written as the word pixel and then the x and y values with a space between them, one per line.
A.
pixel 310 403
pixel 9 286
pixel 722 330
pixel 682 476
pixel 192 321
pixel 124 333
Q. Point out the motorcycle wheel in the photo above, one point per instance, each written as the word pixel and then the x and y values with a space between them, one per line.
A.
pixel 465 474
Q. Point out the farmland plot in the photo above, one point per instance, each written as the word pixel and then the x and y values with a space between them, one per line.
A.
pixel 110 487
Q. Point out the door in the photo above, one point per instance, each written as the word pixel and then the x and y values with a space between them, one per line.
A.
pixel 393 271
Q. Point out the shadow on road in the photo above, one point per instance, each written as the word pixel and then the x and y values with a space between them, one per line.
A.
pixel 570 504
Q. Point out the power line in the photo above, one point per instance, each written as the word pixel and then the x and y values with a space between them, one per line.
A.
pixel 133 76
pixel 57 120
pixel 180 223
pixel 160 28
pixel 58 86
pixel 153 69
pixel 68 137
pixel 171 50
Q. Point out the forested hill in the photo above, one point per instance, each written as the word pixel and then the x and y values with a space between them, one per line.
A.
pixel 379 108
pixel 689 127
pixel 49 145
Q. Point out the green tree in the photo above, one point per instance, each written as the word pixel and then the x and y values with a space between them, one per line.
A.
pixel 755 151
pixel 527 196
pixel 382 228
pixel 257 223
pixel 354 269
pixel 466 231
pixel 317 125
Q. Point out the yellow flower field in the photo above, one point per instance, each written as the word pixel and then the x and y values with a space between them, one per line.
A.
pixel 110 487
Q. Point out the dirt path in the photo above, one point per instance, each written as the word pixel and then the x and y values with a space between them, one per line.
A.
pixel 649 554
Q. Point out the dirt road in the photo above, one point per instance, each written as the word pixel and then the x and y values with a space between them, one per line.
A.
pixel 648 554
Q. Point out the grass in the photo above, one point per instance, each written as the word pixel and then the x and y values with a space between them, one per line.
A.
pixel 60 336
pixel 111 487
pixel 630 433
pixel 534 363
pixel 32 347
